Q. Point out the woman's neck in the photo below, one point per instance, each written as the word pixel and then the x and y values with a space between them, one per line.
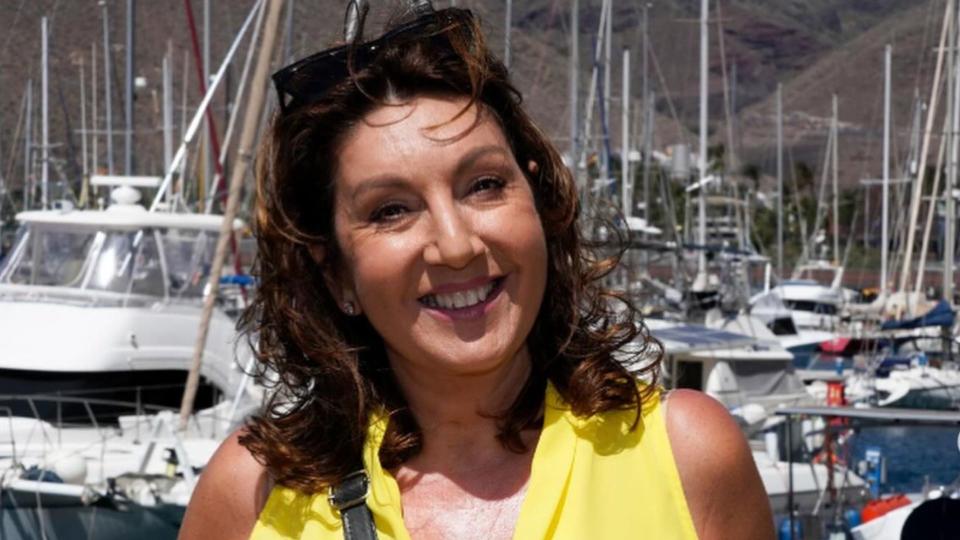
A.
pixel 457 412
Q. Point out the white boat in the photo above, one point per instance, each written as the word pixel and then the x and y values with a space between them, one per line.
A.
pixel 916 386
pixel 107 303
pixel 809 483
pixel 812 305
pixel 99 313
pixel 770 309
pixel 750 374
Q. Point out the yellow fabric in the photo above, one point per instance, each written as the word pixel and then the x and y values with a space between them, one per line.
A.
pixel 591 478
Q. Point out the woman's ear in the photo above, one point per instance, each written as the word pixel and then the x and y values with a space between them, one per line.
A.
pixel 533 167
pixel 333 278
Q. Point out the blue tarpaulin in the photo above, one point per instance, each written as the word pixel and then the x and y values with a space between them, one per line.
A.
pixel 941 315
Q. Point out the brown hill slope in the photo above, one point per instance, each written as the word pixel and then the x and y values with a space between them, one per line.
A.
pixel 855 73
pixel 769 40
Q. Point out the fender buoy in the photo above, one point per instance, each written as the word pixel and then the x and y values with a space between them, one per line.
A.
pixel 879 507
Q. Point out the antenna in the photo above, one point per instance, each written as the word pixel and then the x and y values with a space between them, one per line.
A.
pixel 421 7
pixel 351 20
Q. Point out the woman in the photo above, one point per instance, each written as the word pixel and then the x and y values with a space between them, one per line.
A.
pixel 437 328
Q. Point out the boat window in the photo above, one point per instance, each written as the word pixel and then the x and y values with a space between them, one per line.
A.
pixel 50 258
pixel 189 255
pixel 826 309
pixel 147 275
pixel 689 375
pixel 819 308
pixel 782 326
pixel 128 262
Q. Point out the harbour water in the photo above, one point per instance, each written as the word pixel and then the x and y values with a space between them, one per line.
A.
pixel 914 454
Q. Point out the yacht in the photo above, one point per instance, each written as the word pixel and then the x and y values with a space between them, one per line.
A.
pixel 99 313
pixel 734 360
pixel 106 303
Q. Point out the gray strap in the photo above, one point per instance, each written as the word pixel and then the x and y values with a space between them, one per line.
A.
pixel 350 498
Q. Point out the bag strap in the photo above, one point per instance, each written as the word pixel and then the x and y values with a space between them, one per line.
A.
pixel 350 499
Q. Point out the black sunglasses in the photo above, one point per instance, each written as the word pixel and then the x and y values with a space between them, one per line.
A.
pixel 307 80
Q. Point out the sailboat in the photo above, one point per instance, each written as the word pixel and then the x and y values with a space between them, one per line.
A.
pixel 101 310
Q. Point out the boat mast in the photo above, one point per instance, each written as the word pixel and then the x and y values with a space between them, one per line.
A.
pixel 44 115
pixel 626 183
pixel 245 149
pixel 780 180
pixel 593 89
pixel 85 161
pixel 885 204
pixel 605 106
pixel 208 184
pixel 239 96
pixel 701 199
pixel 573 87
pixel 574 83
pixel 917 198
pixel 953 132
pixel 94 158
pixel 168 106
pixel 128 94
pixel 507 26
pixel 28 148
pixel 202 110
pixel 647 117
pixel 108 101
pixel 834 128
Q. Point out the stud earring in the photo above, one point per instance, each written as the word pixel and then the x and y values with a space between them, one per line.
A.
pixel 349 308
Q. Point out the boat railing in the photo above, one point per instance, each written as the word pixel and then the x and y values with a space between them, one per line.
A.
pixel 854 418
pixel 76 296
pixel 133 417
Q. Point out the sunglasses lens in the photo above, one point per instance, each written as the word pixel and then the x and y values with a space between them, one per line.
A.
pixel 309 79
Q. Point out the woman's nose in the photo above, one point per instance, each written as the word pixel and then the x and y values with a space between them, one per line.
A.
pixel 455 242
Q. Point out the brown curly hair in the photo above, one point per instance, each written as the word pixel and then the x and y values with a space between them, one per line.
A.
pixel 330 371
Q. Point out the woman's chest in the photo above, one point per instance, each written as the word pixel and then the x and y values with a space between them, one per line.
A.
pixel 484 504
pixel 461 515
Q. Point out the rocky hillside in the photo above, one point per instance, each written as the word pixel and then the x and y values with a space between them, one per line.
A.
pixel 814 47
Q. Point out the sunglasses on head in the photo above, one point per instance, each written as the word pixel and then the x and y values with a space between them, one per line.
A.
pixel 309 79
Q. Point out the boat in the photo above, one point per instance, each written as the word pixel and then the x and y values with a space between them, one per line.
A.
pixel 99 311
pixel 751 375
pixel 106 304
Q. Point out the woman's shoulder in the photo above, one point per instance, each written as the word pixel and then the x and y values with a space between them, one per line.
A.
pixel 232 491
pixel 716 468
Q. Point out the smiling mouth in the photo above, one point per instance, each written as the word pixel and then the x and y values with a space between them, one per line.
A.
pixel 462 300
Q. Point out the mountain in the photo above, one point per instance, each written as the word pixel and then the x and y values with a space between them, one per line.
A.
pixel 813 47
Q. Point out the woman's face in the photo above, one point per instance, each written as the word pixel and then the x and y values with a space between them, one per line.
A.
pixel 442 245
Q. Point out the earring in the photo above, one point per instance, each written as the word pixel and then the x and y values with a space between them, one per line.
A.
pixel 349 308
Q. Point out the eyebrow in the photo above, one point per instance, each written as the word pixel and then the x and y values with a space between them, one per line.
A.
pixel 392 181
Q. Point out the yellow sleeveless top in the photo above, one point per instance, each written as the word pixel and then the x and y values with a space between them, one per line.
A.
pixel 590 478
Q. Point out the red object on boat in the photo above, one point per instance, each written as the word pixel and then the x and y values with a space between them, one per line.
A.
pixel 879 507
pixel 835 345
pixel 836 396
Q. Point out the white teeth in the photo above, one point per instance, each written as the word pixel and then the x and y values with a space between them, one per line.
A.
pixel 459 300
pixel 472 297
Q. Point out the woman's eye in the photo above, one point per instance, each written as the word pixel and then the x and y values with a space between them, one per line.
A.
pixel 489 183
pixel 388 212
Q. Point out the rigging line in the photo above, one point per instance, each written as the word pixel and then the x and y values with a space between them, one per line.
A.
pixel 922 51
pixel 732 161
pixel 14 144
pixel 238 99
pixel 798 207
pixel 682 132
pixel 214 149
pixel 822 208
pixel 871 138
pixel 202 85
